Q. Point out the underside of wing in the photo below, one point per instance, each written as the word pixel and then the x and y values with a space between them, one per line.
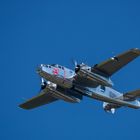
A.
pixel 133 95
pixel 41 99
pixel 114 64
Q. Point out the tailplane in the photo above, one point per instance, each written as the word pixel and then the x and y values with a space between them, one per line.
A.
pixel 131 96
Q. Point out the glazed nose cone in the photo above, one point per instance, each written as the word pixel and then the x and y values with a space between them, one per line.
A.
pixel 39 68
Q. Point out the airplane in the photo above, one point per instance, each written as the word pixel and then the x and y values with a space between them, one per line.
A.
pixel 61 83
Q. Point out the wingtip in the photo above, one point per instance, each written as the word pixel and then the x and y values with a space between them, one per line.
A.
pixel 22 106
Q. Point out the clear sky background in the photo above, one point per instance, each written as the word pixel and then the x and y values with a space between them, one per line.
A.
pixel 54 31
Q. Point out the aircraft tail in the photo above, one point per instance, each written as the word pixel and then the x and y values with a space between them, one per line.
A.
pixel 133 95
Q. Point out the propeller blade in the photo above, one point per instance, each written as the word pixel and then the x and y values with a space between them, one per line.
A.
pixel 43 83
pixel 77 66
pixel 74 62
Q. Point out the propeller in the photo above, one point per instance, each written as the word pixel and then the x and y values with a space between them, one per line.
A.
pixel 76 65
pixel 43 83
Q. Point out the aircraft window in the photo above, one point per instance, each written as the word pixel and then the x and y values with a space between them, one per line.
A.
pixel 62 68
pixel 54 65
pixel 71 72
pixel 103 88
pixel 59 67
pixel 49 66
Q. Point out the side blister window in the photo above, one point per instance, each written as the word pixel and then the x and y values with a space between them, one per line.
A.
pixel 103 88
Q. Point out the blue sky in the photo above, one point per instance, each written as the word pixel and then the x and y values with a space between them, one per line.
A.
pixel 34 32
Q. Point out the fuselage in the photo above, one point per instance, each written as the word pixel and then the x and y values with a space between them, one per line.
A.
pixel 97 86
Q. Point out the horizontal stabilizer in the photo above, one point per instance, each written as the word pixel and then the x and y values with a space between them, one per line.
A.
pixel 132 95
pixel 41 99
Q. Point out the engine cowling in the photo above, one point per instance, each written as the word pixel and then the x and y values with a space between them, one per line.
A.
pixel 45 83
pixel 108 108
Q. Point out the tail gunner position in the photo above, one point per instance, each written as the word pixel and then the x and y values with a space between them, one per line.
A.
pixel 61 83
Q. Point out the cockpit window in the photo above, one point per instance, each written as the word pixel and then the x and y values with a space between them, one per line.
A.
pixel 58 66
pixel 47 66
pixel 53 65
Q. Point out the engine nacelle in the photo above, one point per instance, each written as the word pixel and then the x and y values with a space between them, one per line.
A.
pixel 52 85
pixel 107 108
pixel 45 83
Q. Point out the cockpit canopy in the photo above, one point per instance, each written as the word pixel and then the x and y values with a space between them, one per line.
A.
pixel 57 66
pixel 54 65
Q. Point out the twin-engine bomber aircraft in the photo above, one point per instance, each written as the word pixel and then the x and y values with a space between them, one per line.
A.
pixel 61 83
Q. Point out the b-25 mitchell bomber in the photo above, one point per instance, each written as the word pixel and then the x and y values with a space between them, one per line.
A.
pixel 61 83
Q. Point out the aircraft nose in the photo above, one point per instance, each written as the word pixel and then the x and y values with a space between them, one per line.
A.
pixel 39 68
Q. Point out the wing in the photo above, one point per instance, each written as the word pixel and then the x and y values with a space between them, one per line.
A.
pixel 114 64
pixel 131 96
pixel 41 99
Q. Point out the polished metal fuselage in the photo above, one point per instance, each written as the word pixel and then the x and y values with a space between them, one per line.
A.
pixel 96 87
